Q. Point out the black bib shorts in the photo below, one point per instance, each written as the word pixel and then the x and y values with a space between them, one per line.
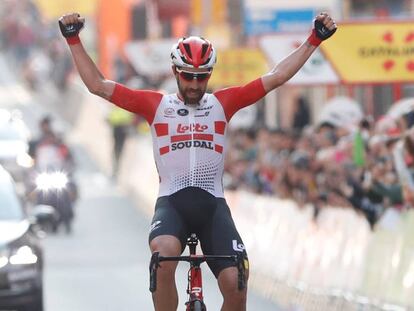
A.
pixel 194 210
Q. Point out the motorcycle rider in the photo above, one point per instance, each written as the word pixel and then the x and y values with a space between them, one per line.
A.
pixel 51 155
pixel 49 151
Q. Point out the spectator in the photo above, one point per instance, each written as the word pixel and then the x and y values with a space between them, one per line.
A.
pixel 121 122
pixel 301 117
pixel 403 155
pixel 319 166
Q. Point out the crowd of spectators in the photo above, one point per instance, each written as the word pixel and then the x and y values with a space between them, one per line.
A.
pixel 368 166
pixel 33 44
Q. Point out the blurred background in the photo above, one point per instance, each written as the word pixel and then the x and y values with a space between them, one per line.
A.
pixel 319 174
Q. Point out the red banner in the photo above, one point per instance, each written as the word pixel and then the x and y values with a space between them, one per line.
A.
pixel 168 9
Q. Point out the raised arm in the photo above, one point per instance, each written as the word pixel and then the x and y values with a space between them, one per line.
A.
pixel 70 26
pixel 324 27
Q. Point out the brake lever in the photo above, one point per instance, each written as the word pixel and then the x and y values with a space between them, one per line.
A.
pixel 154 265
pixel 241 275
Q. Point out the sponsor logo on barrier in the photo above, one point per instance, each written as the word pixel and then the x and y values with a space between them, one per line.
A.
pixel 381 52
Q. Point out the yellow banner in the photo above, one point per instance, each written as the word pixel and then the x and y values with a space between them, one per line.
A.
pixel 219 11
pixel 237 67
pixel 373 52
pixel 196 12
pixel 56 8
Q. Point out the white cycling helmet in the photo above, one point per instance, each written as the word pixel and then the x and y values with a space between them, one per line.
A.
pixel 193 52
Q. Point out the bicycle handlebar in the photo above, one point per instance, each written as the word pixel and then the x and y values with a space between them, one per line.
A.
pixel 198 259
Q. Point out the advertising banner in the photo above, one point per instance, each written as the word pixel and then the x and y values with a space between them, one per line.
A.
pixel 380 52
pixel 291 4
pixel 113 23
pixel 55 9
pixel 150 57
pixel 263 20
pixel 168 9
pixel 317 70
pixel 270 16
pixel 237 67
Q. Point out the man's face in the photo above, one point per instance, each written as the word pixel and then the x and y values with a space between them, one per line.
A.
pixel 192 83
pixel 45 128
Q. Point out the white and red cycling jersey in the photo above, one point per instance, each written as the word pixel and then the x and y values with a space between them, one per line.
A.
pixel 189 143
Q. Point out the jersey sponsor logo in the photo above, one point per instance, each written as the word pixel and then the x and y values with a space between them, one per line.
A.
pixel 192 143
pixel 205 114
pixel 182 112
pixel 191 128
pixel 205 108
pixel 238 247
pixel 169 111
pixel 155 225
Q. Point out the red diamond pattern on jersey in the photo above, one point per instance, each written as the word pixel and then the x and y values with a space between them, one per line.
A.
pixel 218 148
pixel 177 138
pixel 164 150
pixel 219 127
pixel 161 129
pixel 207 137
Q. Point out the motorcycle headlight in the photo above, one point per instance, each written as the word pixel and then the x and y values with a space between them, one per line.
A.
pixel 24 160
pixel 60 180
pixel 23 256
pixel 48 181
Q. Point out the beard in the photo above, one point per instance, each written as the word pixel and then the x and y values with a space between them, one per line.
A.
pixel 191 96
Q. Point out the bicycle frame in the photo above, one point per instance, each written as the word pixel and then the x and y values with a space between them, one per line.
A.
pixel 195 287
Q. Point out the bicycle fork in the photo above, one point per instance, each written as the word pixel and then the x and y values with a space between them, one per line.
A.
pixel 194 287
pixel 195 279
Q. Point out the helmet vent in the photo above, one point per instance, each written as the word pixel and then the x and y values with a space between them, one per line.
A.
pixel 188 49
pixel 204 50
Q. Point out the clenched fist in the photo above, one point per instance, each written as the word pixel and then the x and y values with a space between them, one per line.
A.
pixel 324 27
pixel 71 24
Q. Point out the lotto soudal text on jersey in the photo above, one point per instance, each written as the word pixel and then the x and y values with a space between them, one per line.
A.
pixel 189 142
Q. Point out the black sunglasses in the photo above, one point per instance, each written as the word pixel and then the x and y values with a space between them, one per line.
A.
pixel 189 76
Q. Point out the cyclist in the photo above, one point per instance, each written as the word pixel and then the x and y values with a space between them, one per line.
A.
pixel 188 130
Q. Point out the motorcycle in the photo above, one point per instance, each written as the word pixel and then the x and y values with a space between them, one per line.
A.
pixel 51 183
pixel 55 189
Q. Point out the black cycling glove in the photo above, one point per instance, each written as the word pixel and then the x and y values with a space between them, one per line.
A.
pixel 70 30
pixel 321 31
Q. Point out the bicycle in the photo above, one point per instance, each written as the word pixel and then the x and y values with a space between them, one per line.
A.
pixel 195 288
